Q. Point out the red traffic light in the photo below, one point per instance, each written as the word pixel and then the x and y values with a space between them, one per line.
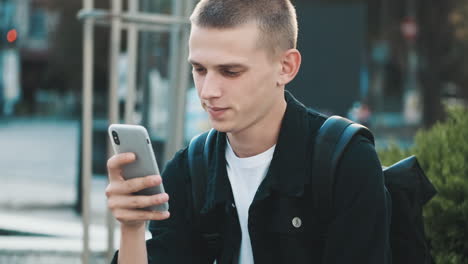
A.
pixel 12 35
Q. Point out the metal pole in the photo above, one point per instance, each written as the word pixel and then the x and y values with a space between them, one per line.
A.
pixel 183 80
pixel 132 44
pixel 113 102
pixel 139 27
pixel 155 19
pixel 138 17
pixel 143 75
pixel 183 70
pixel 88 55
pixel 173 135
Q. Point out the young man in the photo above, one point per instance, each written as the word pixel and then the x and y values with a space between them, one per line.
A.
pixel 258 196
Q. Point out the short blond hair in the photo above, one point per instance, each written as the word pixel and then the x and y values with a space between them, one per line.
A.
pixel 276 19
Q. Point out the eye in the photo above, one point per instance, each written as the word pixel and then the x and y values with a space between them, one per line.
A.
pixel 199 70
pixel 229 73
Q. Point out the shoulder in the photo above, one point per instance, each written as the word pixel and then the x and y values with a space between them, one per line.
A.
pixel 359 172
pixel 360 153
pixel 179 159
pixel 359 159
pixel 314 118
pixel 176 168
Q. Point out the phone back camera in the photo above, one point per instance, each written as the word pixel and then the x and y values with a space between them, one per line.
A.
pixel 115 136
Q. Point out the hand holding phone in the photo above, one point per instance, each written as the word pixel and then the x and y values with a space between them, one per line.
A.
pixel 139 174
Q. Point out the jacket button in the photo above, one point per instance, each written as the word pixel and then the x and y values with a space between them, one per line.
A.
pixel 233 205
pixel 297 222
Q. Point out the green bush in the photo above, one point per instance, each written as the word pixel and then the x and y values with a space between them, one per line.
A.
pixel 442 152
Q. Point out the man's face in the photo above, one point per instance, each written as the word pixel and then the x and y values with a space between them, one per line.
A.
pixel 235 78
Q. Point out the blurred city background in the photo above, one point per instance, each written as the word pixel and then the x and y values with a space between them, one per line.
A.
pixel 393 65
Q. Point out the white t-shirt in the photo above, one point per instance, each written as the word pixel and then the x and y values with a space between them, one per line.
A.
pixel 245 175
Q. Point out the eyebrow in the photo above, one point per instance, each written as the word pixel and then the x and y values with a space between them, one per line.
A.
pixel 226 65
pixel 194 62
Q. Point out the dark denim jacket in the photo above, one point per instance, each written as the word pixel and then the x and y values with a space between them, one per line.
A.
pixel 283 223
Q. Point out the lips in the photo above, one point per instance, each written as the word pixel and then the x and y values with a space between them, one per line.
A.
pixel 216 112
pixel 217 108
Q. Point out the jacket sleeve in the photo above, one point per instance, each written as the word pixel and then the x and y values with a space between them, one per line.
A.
pixel 359 232
pixel 174 239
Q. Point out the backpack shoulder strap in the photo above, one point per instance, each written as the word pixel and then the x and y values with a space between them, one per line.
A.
pixel 198 157
pixel 199 154
pixel 332 139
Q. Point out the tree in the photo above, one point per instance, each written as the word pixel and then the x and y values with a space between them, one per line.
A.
pixel 442 151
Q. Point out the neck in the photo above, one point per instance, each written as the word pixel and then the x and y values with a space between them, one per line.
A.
pixel 260 136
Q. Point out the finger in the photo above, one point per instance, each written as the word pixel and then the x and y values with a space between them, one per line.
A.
pixel 140 183
pixel 136 201
pixel 127 215
pixel 115 163
pixel 132 185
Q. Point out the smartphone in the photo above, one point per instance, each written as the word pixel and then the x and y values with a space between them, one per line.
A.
pixel 134 138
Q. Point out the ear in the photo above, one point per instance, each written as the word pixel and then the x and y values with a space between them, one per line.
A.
pixel 290 64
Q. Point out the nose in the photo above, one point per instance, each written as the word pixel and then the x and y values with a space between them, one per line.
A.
pixel 210 87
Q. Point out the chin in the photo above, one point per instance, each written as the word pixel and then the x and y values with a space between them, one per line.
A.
pixel 221 126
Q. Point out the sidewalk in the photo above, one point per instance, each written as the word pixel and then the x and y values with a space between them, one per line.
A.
pixel 39 161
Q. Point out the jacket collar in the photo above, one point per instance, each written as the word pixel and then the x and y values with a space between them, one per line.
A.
pixel 289 169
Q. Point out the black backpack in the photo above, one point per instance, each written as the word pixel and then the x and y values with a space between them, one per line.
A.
pixel 406 182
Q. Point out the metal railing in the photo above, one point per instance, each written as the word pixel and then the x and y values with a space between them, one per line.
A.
pixel 133 21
